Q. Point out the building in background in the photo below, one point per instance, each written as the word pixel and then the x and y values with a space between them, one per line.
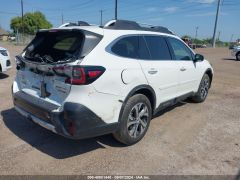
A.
pixel 4 35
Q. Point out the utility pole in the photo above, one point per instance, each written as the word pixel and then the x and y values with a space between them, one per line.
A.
pixel 62 19
pixel 216 23
pixel 101 17
pixel 116 9
pixel 219 33
pixel 231 38
pixel 196 33
pixel 22 22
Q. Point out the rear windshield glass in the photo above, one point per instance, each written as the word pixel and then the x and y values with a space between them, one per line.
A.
pixel 50 47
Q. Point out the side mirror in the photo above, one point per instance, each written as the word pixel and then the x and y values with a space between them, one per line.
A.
pixel 198 57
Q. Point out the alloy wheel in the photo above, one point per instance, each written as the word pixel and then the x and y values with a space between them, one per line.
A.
pixel 138 120
pixel 204 88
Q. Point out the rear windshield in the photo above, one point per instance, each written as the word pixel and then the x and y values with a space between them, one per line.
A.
pixel 60 46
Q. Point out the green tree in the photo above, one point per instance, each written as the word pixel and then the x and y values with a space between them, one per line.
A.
pixel 207 41
pixel 187 37
pixel 31 23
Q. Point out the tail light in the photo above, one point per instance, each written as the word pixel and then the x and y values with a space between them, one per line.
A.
pixel 79 75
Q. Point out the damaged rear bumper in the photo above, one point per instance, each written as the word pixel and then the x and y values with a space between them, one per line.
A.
pixel 75 121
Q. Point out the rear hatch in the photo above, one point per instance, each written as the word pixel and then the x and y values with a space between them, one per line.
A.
pixel 46 63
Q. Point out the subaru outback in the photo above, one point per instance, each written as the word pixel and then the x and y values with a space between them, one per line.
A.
pixel 86 81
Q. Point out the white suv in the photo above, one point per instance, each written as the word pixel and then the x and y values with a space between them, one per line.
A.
pixel 86 81
pixel 5 62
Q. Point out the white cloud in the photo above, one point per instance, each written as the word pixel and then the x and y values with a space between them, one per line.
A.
pixel 156 19
pixel 202 1
pixel 170 9
pixel 206 1
pixel 151 9
pixel 201 14
pixel 205 14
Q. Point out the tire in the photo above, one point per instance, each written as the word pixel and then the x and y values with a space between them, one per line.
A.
pixel 203 89
pixel 133 126
pixel 238 56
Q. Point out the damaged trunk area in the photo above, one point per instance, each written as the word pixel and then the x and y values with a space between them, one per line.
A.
pixel 50 63
pixel 55 46
pixel 60 46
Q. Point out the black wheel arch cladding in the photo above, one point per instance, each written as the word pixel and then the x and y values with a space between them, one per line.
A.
pixel 210 74
pixel 141 89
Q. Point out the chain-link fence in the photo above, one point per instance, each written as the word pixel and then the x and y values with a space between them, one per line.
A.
pixel 23 39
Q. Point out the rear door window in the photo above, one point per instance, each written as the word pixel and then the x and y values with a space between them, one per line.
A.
pixel 180 50
pixel 126 47
pixel 158 48
pixel 143 50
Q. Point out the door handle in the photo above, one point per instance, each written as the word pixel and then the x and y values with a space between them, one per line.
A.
pixel 183 69
pixel 152 71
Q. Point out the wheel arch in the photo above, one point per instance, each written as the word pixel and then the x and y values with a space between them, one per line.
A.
pixel 141 89
pixel 210 74
pixel 237 55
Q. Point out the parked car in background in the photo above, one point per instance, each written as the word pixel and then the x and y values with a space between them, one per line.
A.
pixel 232 46
pixel 86 81
pixel 5 62
pixel 236 52
pixel 12 38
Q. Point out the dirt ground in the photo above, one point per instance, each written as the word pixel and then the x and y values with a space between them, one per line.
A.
pixel 185 139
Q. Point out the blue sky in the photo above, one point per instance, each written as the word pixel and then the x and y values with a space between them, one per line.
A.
pixel 181 16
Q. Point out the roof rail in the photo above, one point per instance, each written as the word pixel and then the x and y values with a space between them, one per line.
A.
pixel 132 25
pixel 122 25
pixel 79 23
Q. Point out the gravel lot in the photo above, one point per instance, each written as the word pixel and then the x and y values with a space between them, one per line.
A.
pixel 186 139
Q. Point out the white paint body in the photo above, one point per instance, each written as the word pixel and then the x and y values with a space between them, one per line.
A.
pixel 105 95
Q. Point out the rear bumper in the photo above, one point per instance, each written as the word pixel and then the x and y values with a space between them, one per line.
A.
pixel 75 121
